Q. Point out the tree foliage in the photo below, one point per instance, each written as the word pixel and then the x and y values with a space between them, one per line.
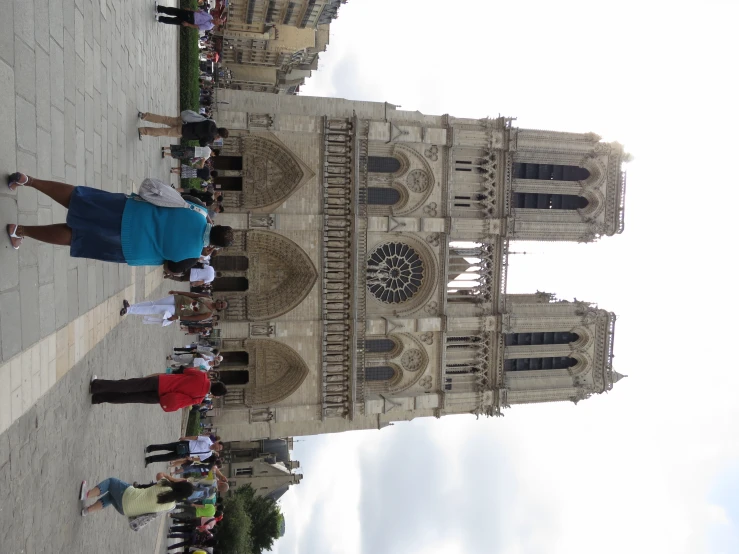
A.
pixel 250 523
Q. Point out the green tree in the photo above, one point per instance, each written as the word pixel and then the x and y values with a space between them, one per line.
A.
pixel 250 523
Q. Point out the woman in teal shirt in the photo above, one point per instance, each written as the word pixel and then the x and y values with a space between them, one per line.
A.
pixel 113 227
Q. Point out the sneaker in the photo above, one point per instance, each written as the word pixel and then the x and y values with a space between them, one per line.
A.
pixel 83 490
pixel 92 380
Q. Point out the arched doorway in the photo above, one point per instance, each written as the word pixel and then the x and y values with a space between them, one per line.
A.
pixel 234 376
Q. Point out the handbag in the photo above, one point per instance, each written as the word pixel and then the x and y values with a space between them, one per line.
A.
pixel 161 194
pixel 139 522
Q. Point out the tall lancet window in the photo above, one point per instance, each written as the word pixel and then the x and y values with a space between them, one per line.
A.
pixel 549 172
pixel 544 201
pixel 533 364
pixel 383 164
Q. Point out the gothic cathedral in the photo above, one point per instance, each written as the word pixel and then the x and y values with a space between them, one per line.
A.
pixel 368 281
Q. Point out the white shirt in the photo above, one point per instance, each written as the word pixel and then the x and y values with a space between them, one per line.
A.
pixel 197 362
pixel 200 447
pixel 207 274
pixel 202 151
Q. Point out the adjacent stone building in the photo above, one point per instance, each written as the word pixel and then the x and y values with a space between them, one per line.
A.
pixel 368 281
pixel 263 464
pixel 273 45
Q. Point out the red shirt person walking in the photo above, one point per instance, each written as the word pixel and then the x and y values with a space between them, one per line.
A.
pixel 171 392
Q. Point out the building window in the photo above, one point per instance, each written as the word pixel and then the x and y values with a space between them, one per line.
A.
pixel 244 472
pixel 528 339
pixel 549 172
pixel 379 373
pixel 462 165
pixel 383 164
pixel 382 196
pixel 379 346
pixel 532 364
pixel 395 272
pixel 539 201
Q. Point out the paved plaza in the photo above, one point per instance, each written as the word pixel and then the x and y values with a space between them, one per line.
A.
pixel 73 74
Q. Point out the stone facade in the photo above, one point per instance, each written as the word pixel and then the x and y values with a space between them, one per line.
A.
pixel 368 284
pixel 272 46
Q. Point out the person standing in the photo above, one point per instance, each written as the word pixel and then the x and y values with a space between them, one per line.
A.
pixel 113 227
pixel 195 19
pixel 187 306
pixel 170 391
pixel 204 131
pixel 200 447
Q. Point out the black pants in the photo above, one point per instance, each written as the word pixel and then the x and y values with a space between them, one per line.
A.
pixel 141 390
pixel 171 447
pixel 178 16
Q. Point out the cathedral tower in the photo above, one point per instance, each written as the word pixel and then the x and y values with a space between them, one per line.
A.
pixel 368 284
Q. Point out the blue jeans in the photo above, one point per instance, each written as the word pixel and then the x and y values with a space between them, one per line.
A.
pixel 111 492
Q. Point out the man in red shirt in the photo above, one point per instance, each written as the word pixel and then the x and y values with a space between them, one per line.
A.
pixel 171 392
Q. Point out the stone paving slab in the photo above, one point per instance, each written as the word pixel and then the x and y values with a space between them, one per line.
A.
pixel 63 439
pixel 73 74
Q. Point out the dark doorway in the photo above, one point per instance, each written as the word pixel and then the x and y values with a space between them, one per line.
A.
pixel 234 377
pixel 229 183
pixel 235 163
pixel 231 284
pixel 230 263
pixel 237 358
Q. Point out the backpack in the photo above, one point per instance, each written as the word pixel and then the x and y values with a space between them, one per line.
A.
pixel 161 194
pixel 189 116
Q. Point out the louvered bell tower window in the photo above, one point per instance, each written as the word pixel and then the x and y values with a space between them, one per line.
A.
pixel 533 364
pixel 529 339
pixel 549 172
pixel 539 201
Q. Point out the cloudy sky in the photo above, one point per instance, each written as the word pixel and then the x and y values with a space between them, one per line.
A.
pixel 654 465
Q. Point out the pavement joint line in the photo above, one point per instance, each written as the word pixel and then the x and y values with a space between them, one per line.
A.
pixel 28 375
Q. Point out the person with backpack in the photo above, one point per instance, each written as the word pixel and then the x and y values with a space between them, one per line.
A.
pixel 133 501
pixel 114 227
pixel 188 126
pixel 172 392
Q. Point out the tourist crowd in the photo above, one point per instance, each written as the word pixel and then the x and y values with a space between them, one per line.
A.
pixel 174 229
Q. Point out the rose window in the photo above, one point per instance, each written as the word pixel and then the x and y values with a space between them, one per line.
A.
pixel 394 272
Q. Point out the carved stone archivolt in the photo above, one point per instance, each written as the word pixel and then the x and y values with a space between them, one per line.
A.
pixel 280 276
pixel 275 373
pixel 272 173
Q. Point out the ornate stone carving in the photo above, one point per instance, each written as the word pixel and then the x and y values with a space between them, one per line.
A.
pixel 433 239
pixel 431 209
pixel 432 153
pixel 411 360
pixel 427 338
pixel 427 382
pixel 417 180
pixel 261 330
pixel 432 308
